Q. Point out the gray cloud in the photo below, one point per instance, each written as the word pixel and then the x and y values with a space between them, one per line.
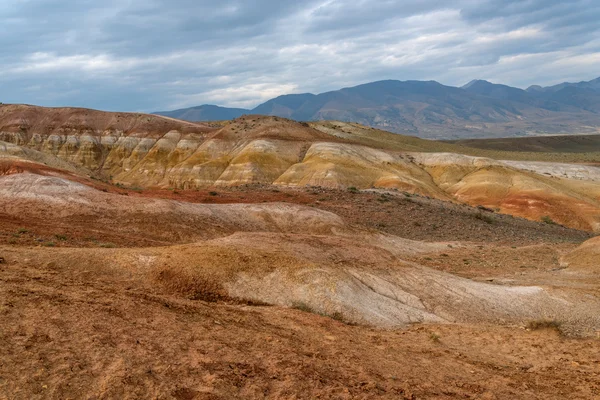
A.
pixel 158 54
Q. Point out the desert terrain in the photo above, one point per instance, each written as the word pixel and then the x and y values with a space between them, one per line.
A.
pixel 146 257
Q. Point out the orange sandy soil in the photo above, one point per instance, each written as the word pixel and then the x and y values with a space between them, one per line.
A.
pixel 66 334
pixel 414 217
pixel 70 333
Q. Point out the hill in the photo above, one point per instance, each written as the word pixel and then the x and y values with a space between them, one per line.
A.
pixel 157 152
pixel 205 112
pixel 541 144
pixel 432 110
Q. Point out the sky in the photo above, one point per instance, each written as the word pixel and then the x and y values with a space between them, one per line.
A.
pixel 151 55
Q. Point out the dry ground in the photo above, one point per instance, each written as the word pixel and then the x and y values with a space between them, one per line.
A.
pixel 409 216
pixel 66 337
pixel 76 330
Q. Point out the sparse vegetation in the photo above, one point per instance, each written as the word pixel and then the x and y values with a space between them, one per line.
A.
pixel 299 305
pixel 336 315
pixel 62 238
pixel 107 245
pixel 547 220
pixel 213 193
pixel 544 324
pixel 352 189
pixel 484 217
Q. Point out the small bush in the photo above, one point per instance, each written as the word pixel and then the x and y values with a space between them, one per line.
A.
pixel 22 231
pixel 336 315
pixel 62 238
pixel 353 189
pixel 252 302
pixel 213 193
pixel 488 219
pixel 543 324
pixel 547 220
pixel 434 337
pixel 108 245
pixel 299 305
pixel 49 244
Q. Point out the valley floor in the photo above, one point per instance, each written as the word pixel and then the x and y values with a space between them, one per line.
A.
pixel 62 336
pixel 88 308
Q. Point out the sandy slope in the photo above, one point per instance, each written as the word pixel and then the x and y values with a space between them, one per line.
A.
pixel 283 254
pixel 585 258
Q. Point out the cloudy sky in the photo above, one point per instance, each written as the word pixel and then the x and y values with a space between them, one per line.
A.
pixel 148 55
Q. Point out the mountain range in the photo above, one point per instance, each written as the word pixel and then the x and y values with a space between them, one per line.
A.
pixel 432 110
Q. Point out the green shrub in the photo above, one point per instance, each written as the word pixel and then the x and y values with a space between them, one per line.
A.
pixel 485 218
pixel 434 337
pixel 547 220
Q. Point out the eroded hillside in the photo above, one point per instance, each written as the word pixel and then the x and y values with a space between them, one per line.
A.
pixel 145 151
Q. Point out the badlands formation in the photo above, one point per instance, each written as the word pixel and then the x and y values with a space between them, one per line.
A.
pixel 138 150
pixel 145 257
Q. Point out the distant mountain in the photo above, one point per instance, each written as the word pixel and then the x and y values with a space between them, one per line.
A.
pixel 283 106
pixel 509 93
pixel 583 95
pixel 594 84
pixel 205 112
pixel 432 110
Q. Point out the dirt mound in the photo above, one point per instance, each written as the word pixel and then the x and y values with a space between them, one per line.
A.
pixel 251 127
pixel 531 192
pixel 68 202
pixel 585 258
pixel 360 279
pixel 112 216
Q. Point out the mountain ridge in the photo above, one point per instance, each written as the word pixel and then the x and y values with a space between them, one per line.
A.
pixel 430 109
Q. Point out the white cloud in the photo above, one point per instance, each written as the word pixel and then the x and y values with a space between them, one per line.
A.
pixel 156 54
